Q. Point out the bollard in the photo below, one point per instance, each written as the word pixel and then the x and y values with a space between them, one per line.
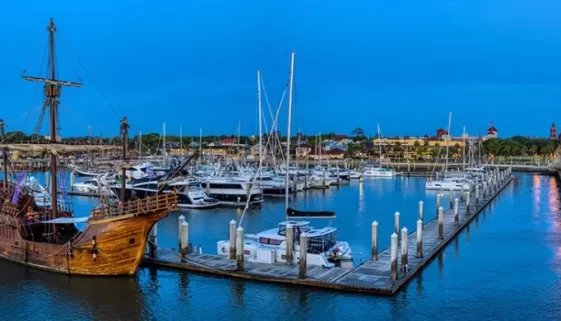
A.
pixel 72 181
pixel 467 203
pixel 184 241
pixel 240 238
pixel 404 250
pixel 438 196
pixel 232 253
pixel 440 223
pixel 375 241
pixel 180 221
pixel 456 211
pixel 289 239
pixel 393 256
pixel 419 238
pixel 396 223
pixel 153 248
pixel 421 210
pixel 462 193
pixel 451 197
pixel 476 194
pixel 303 255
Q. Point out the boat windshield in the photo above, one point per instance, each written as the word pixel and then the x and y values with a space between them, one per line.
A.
pixel 320 244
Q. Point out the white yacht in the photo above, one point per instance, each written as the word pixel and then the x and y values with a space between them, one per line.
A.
pixel 91 186
pixel 230 192
pixel 355 175
pixel 453 183
pixel 378 172
pixel 270 246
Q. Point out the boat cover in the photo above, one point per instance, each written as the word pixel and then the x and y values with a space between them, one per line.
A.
pixel 290 212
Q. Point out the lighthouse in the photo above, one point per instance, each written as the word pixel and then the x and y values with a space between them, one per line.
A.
pixel 553 132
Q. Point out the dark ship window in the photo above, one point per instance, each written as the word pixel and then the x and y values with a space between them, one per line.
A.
pixel 131 241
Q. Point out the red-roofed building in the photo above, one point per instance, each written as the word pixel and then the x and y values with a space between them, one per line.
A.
pixel 228 141
pixel 492 131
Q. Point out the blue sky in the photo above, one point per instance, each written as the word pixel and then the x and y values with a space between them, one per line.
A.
pixel 402 64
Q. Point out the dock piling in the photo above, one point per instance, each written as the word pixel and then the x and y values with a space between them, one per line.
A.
pixel 232 253
pixel 153 248
pixel 396 223
pixel 456 211
pixel 421 210
pixel 438 196
pixel 375 241
pixel 440 223
pixel 467 203
pixel 484 190
pixel 393 256
pixel 72 181
pixel 180 221
pixel 404 238
pixel 184 241
pixel 451 197
pixel 476 195
pixel 303 256
pixel 239 249
pixel 289 241
pixel 462 191
pixel 419 238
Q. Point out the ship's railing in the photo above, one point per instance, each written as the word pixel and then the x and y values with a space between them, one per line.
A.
pixel 167 201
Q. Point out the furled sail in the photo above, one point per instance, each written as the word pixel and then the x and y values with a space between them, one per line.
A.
pixel 292 213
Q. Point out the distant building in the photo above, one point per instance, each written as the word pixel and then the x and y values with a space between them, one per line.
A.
pixel 553 132
pixel 492 131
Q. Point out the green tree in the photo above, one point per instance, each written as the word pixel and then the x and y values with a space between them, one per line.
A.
pixel 416 143
pixel 358 132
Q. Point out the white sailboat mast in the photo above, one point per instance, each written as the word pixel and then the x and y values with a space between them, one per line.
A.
pixel 200 145
pixel 448 140
pixel 259 115
pixel 181 139
pixel 164 145
pixel 286 190
pixel 139 144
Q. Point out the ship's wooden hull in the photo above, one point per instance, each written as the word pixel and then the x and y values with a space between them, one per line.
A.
pixel 120 243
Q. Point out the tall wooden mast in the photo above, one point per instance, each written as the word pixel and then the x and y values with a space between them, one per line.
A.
pixel 125 138
pixel 51 91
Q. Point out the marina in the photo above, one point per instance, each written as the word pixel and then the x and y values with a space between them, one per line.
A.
pixel 379 275
pixel 226 161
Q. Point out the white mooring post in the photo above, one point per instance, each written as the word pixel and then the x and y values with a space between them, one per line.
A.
pixel 484 190
pixel 440 223
pixel 476 195
pixel 232 253
pixel 393 257
pixel 375 241
pixel 457 211
pixel 184 241
pixel 438 196
pixel 419 238
pixel 451 197
pixel 467 203
pixel 239 249
pixel 289 244
pixel 180 221
pixel 396 223
pixel 462 191
pixel 71 181
pixel 404 262
pixel 303 256
pixel 153 248
pixel 421 210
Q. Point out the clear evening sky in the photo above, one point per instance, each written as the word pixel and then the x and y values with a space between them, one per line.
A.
pixel 402 64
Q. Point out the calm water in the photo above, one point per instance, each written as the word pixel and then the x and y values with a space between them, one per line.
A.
pixel 507 266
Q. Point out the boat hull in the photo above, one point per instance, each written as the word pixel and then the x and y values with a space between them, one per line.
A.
pixel 120 244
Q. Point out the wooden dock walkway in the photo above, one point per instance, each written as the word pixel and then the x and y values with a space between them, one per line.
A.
pixel 372 276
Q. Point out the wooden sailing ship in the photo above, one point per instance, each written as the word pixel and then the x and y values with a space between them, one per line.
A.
pixel 115 238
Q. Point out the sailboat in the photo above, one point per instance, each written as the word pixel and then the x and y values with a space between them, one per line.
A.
pixel 378 171
pixel 269 246
pixel 448 182
pixel 115 237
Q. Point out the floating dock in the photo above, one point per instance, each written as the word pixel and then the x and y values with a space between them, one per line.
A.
pixel 377 275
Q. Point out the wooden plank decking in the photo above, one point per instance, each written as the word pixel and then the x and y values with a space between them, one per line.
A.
pixel 370 276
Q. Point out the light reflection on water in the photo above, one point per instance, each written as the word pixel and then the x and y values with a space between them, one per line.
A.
pixel 504 266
